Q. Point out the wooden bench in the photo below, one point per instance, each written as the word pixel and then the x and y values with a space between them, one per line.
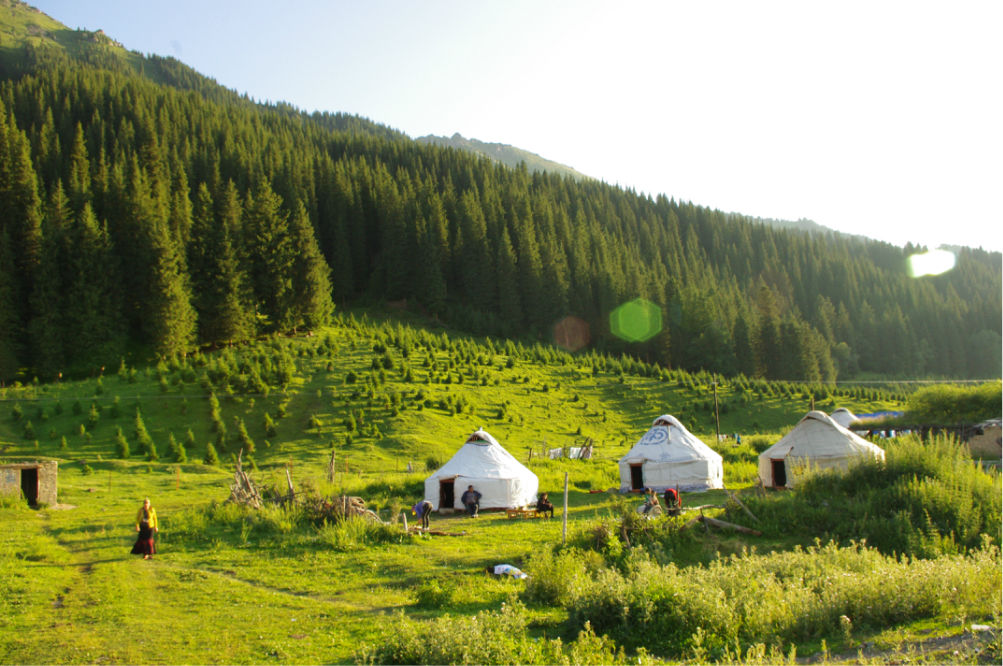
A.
pixel 524 513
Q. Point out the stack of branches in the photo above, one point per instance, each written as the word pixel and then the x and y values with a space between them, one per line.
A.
pixel 243 491
pixel 339 508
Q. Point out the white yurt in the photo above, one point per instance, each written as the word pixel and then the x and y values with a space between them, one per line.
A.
pixel 481 462
pixel 843 417
pixel 818 442
pixel 670 456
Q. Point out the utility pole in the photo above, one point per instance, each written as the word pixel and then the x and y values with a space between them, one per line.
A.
pixel 717 416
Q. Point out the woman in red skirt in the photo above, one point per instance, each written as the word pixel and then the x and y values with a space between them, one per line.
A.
pixel 146 526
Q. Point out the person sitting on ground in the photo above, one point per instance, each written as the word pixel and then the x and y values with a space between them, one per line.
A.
pixel 650 502
pixel 422 510
pixel 543 505
pixel 673 502
pixel 471 499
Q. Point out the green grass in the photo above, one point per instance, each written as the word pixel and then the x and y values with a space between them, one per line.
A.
pixel 235 587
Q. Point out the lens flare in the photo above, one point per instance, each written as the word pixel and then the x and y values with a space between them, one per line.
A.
pixel 636 321
pixel 933 262
pixel 571 333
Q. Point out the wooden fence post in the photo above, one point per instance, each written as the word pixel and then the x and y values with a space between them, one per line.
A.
pixel 564 517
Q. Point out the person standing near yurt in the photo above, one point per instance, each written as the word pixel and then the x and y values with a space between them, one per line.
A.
pixel 481 476
pixel 146 526
pixel 422 510
pixel 471 499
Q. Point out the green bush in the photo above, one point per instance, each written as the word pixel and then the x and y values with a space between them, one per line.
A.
pixel 945 404
pixel 355 534
pixel 490 637
pixel 560 578
pixel 433 593
pixel 925 499
pixel 790 596
pixel 211 457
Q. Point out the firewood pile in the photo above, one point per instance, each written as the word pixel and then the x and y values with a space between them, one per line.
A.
pixel 243 491
pixel 318 509
pixel 340 508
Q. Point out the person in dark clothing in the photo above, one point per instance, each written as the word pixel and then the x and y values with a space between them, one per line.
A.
pixel 146 527
pixel 422 510
pixel 673 502
pixel 471 499
pixel 543 505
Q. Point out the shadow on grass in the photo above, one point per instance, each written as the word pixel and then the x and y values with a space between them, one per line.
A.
pixel 77 565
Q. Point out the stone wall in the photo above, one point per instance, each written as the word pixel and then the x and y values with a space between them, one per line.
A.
pixel 48 479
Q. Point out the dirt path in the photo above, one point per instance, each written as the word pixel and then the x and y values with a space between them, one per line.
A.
pixel 968 647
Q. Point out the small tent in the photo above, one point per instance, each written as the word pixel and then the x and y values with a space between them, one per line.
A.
pixel 843 417
pixel 670 456
pixel 481 462
pixel 818 442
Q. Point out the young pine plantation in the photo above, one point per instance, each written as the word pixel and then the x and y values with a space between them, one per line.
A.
pixel 890 561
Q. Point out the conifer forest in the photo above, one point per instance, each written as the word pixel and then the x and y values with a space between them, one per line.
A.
pixel 146 210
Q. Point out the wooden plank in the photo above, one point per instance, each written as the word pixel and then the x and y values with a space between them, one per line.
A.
pixel 729 526
pixel 737 501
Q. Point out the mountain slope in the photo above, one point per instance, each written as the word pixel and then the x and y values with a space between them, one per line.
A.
pixel 503 153
pixel 123 200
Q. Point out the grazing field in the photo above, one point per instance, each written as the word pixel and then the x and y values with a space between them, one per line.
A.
pixel 231 585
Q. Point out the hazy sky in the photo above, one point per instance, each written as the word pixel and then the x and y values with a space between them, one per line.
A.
pixel 877 118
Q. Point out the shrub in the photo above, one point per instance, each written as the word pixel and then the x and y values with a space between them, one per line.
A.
pixel 490 637
pixel 354 533
pixel 211 457
pixel 121 444
pixel 560 578
pixel 925 499
pixel 785 596
pixel 433 593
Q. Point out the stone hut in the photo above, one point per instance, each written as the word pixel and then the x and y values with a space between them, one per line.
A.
pixel 36 480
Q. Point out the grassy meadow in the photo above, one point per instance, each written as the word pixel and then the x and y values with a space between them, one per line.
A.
pixel 279 586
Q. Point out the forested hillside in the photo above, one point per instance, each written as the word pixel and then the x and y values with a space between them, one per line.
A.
pixel 145 210
pixel 503 153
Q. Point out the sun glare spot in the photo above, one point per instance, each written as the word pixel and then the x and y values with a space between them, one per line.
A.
pixel 571 333
pixel 636 321
pixel 933 262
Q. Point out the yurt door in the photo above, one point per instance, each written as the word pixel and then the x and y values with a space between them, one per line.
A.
pixel 779 473
pixel 446 496
pixel 637 476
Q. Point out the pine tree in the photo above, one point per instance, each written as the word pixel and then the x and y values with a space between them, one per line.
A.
pixel 11 356
pixel 242 439
pixel 506 283
pixel 268 245
pixel 211 457
pixel 143 438
pixel 20 218
pixel 121 445
pixel 92 297
pixel 47 324
pixel 170 318
pixel 79 176
pixel 176 449
pixel 217 279
pixel 310 303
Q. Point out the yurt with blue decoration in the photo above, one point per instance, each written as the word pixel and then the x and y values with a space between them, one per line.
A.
pixel 670 456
